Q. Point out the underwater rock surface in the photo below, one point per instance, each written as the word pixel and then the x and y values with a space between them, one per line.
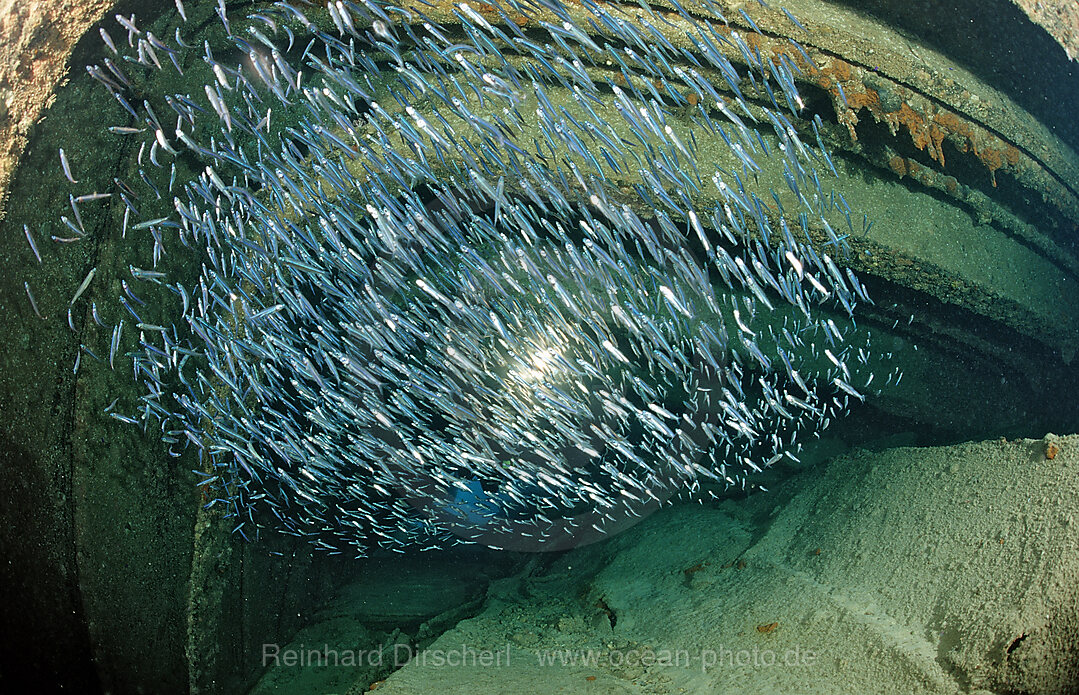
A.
pixel 864 578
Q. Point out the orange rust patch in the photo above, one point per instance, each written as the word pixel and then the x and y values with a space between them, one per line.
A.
pixel 797 59
pixel 949 124
pixel 1051 450
pixel 912 120
pixel 860 99
pixel 751 39
pixel 491 10
pixel 936 135
pixel 992 159
pixel 840 68
pixel 927 131
pixel 994 155
pixel 998 156
pixel 952 123
pixel 915 124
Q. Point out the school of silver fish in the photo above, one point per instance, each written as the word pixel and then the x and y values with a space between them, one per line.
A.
pixel 473 281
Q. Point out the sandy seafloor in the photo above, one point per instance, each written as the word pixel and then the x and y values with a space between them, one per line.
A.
pixel 906 570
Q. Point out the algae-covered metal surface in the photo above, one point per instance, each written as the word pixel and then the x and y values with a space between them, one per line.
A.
pixel 971 209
